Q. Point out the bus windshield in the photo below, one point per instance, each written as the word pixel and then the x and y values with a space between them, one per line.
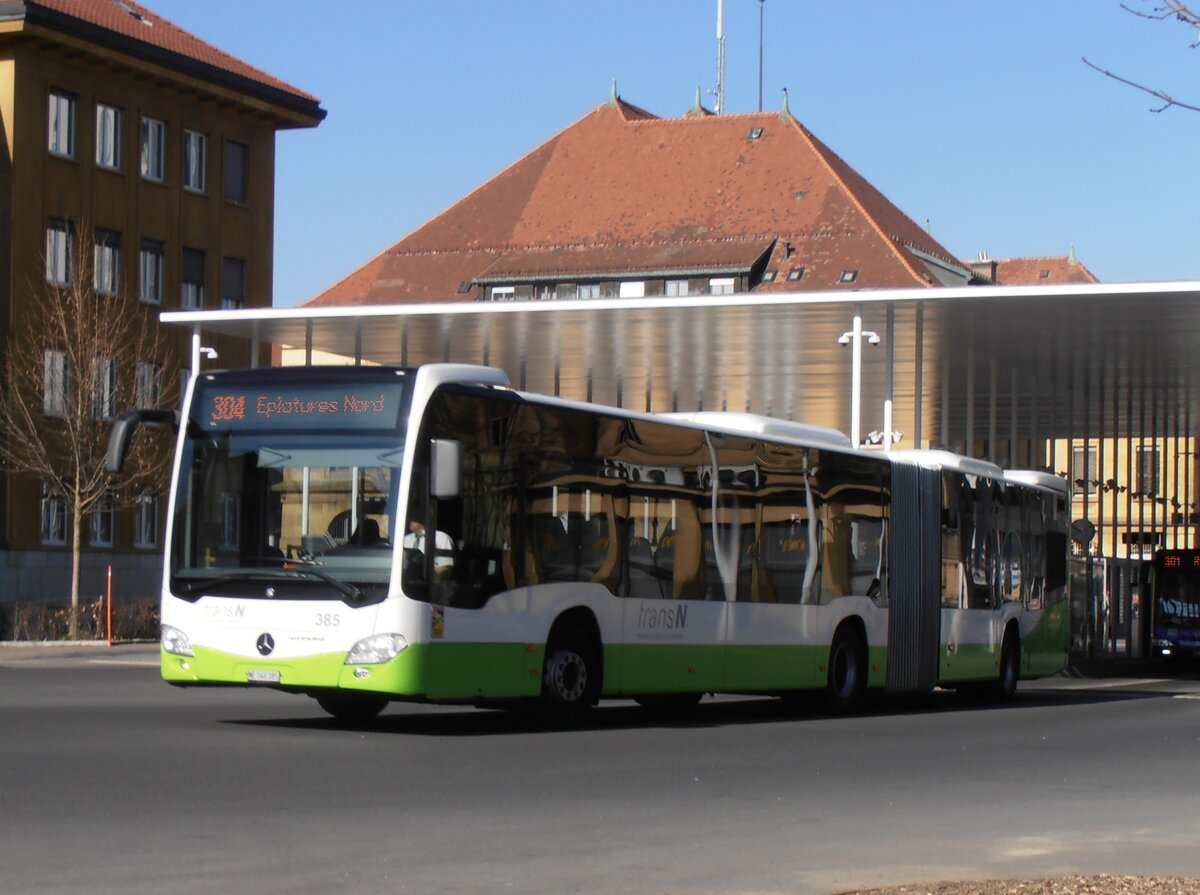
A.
pixel 1177 589
pixel 288 486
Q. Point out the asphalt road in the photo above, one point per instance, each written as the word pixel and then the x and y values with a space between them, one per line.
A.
pixel 111 781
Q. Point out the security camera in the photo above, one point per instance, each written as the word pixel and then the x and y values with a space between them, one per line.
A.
pixel 844 339
pixel 873 338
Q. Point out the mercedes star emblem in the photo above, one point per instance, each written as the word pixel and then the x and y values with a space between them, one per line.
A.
pixel 266 644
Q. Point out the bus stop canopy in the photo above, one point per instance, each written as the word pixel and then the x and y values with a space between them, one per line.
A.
pixel 980 369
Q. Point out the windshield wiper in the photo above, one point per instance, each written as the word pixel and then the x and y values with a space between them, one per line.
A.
pixel 303 566
pixel 309 567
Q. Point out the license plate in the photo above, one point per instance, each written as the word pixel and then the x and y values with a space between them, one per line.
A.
pixel 259 676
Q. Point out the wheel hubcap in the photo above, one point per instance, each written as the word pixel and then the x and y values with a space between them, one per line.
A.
pixel 566 676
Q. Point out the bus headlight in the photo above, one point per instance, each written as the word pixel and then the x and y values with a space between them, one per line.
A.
pixel 376 649
pixel 176 642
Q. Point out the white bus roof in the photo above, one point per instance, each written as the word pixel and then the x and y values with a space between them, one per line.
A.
pixel 755 424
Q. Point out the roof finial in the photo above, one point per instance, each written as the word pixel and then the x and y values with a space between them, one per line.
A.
pixel 785 113
pixel 612 97
pixel 696 107
pixel 1071 255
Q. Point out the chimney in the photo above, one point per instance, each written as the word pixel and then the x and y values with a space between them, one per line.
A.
pixel 984 268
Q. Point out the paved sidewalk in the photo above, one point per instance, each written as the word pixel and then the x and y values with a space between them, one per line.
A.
pixel 54 652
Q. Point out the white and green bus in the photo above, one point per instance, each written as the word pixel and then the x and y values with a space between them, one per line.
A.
pixel 369 534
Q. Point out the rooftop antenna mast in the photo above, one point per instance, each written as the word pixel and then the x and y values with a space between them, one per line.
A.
pixel 720 103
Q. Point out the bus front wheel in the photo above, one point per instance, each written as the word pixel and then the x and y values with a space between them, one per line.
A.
pixel 847 682
pixel 571 671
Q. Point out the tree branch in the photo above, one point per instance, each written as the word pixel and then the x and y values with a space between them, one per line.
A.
pixel 1168 100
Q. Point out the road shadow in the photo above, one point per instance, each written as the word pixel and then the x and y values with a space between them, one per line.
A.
pixel 721 711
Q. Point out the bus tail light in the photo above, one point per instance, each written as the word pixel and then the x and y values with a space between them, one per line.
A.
pixel 176 642
pixel 376 649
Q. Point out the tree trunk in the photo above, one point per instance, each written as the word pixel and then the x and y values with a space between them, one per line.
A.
pixel 76 526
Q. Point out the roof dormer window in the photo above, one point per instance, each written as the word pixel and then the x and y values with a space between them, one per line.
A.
pixel 848 276
pixel 755 133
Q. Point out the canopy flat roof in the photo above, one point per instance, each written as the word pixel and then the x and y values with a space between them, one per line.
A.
pixel 984 362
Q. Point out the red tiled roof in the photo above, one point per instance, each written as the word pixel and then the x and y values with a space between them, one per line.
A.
pixel 130 26
pixel 1042 271
pixel 620 190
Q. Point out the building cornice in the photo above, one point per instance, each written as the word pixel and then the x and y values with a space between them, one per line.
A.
pixel 294 108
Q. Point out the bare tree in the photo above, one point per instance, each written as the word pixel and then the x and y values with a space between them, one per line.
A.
pixel 1161 11
pixel 83 353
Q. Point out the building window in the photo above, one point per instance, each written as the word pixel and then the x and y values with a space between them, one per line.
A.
pixel 193 279
pixel 154 149
pixel 148 385
pixel 768 276
pixel 107 262
pixel 62 123
pixel 1147 471
pixel 150 272
pixel 848 276
pixel 235 171
pixel 795 274
pixel 1084 474
pixel 675 288
pixel 104 388
pixel 100 521
pixel 54 515
pixel 634 289
pixel 547 293
pixel 589 290
pixel 721 286
pixel 108 137
pixel 502 293
pixel 60 245
pixel 195 157
pixel 56 380
pixel 233 283
pixel 145 520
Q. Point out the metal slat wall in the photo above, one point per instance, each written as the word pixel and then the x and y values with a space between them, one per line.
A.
pixel 914 623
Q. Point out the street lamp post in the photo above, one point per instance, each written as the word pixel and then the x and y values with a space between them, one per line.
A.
pixel 854 338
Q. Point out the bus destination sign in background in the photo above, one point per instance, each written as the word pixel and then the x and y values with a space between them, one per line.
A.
pixel 368 405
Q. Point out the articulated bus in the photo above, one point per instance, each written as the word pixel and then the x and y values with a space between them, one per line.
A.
pixel 1176 604
pixel 368 534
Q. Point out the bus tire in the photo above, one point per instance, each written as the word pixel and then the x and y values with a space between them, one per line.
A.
pixel 1005 685
pixel 846 685
pixel 352 708
pixel 570 671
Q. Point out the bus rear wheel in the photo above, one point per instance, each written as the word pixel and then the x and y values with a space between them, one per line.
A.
pixel 353 708
pixel 1005 686
pixel 571 671
pixel 846 687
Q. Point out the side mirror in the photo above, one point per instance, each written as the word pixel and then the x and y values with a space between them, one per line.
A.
pixel 123 429
pixel 446 461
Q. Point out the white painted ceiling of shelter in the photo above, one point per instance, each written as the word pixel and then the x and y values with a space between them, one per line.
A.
pixel 1081 357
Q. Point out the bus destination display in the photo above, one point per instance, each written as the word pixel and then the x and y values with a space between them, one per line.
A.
pixel 372 406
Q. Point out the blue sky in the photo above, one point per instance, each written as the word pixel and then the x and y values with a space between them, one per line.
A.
pixel 974 115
